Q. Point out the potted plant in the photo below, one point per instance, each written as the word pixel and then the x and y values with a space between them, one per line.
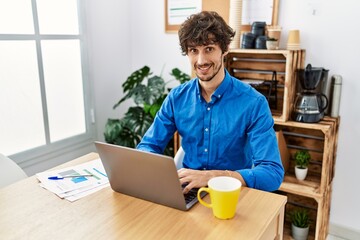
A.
pixel 302 159
pixel 148 92
pixel 300 223
pixel 271 43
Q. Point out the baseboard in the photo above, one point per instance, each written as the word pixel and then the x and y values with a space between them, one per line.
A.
pixel 344 232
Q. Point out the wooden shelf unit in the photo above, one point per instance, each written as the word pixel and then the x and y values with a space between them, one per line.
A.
pixel 259 64
pixel 319 212
pixel 320 140
pixel 313 193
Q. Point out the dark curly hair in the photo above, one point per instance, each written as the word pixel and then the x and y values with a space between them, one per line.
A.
pixel 205 28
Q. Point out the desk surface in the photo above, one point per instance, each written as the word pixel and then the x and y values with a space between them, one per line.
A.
pixel 28 211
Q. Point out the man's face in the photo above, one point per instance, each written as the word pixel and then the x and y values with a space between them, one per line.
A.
pixel 206 60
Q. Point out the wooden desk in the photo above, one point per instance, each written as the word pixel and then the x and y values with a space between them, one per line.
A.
pixel 29 212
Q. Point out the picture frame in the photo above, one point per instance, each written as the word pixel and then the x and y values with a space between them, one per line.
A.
pixel 173 23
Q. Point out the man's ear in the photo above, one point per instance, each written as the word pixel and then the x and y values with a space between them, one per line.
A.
pixel 227 50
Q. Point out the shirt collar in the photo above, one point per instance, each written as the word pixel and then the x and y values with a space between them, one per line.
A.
pixel 221 88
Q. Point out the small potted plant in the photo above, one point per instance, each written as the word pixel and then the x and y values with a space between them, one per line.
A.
pixel 300 223
pixel 302 159
pixel 271 43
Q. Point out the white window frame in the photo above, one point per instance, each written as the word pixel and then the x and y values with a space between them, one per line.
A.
pixel 51 150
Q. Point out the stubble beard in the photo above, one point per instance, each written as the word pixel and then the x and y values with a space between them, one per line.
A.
pixel 208 79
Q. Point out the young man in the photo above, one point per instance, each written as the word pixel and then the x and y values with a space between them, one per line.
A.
pixel 226 126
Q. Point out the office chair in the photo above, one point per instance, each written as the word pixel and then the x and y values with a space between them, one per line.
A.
pixel 10 172
pixel 179 156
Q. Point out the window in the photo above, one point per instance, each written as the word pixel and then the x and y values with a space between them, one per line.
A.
pixel 43 89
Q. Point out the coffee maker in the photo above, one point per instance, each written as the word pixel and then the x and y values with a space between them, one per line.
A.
pixel 310 103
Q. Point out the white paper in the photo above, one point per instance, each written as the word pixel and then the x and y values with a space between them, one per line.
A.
pixel 77 187
pixel 179 10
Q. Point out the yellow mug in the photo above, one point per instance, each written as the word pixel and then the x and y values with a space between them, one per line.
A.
pixel 224 195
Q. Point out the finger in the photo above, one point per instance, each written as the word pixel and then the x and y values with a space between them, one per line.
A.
pixel 183 172
pixel 187 188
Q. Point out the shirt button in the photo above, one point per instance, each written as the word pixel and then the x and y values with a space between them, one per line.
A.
pixel 219 96
pixel 206 150
pixel 208 108
pixel 206 129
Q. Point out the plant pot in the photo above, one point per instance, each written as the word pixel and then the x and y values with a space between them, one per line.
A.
pixel 299 233
pixel 300 173
pixel 271 45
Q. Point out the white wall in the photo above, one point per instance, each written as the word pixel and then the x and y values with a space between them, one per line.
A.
pixel 108 31
pixel 125 35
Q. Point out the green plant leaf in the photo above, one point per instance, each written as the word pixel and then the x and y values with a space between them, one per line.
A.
pixel 149 94
pixel 127 138
pixel 136 78
pixel 300 217
pixel 302 158
pixel 132 83
pixel 113 128
pixel 156 87
pixel 180 76
pixel 140 94
pixel 138 121
pixel 116 132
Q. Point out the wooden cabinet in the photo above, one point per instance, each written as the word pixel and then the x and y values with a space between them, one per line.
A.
pixel 313 193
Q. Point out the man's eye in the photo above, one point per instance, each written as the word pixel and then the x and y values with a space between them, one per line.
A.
pixel 192 50
pixel 209 49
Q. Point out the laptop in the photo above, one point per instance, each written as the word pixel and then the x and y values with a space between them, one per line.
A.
pixel 149 176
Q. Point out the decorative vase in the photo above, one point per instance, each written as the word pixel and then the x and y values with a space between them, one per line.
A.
pixel 300 173
pixel 299 233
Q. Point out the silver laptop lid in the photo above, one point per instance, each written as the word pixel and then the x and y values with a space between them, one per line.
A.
pixel 144 175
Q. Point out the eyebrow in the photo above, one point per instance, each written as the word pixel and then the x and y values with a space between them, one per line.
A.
pixel 205 45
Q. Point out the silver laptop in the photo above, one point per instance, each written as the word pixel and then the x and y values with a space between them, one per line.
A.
pixel 144 175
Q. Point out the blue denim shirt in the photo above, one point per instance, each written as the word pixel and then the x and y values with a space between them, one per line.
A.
pixel 234 131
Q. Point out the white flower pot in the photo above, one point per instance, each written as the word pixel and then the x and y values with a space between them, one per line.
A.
pixel 271 45
pixel 300 173
pixel 299 233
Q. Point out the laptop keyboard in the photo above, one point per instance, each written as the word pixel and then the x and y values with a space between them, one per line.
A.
pixel 191 195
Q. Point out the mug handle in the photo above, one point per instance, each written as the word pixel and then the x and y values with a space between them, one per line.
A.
pixel 203 189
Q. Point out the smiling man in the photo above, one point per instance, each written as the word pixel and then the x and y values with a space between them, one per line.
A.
pixel 226 126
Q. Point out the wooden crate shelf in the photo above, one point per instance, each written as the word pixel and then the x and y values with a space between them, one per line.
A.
pixel 319 212
pixel 257 64
pixel 320 140
pixel 313 193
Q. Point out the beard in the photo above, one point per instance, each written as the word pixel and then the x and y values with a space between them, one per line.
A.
pixel 208 78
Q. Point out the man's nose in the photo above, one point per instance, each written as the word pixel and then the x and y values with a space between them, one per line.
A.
pixel 201 58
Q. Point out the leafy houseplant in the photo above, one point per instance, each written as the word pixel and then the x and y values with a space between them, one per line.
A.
pixel 300 223
pixel 302 159
pixel 148 98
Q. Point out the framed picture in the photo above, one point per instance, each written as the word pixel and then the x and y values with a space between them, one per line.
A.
pixel 177 11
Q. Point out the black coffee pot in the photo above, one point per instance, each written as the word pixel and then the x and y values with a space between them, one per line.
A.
pixel 310 77
pixel 310 107
pixel 310 103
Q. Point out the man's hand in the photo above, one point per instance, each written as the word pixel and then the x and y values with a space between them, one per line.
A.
pixel 199 178
pixel 193 178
